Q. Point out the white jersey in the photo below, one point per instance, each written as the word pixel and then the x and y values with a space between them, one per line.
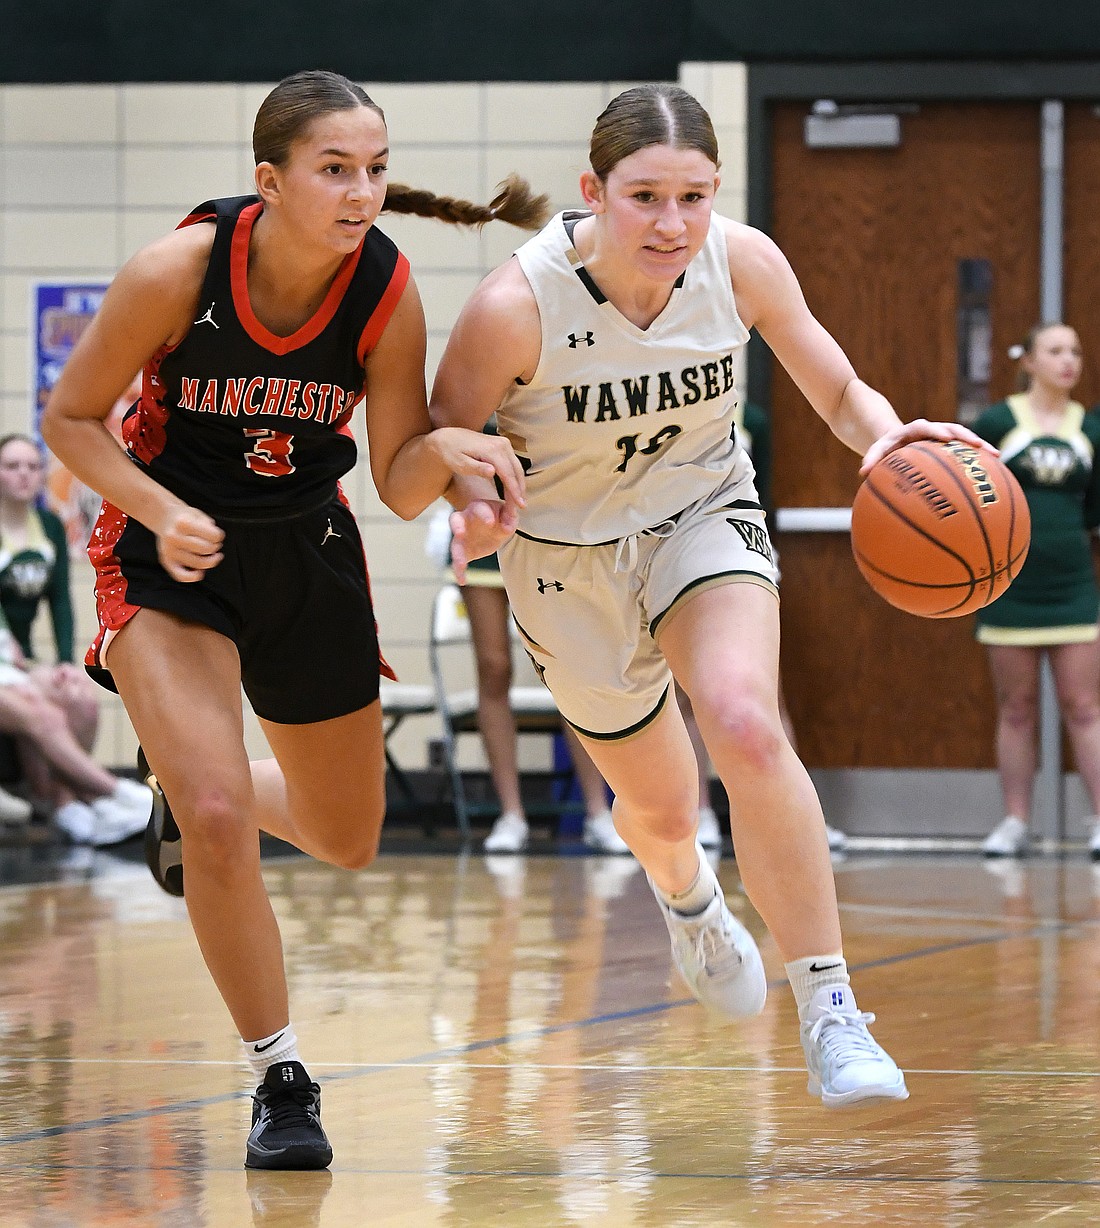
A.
pixel 621 427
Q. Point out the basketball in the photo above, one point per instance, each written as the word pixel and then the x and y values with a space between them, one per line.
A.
pixel 940 529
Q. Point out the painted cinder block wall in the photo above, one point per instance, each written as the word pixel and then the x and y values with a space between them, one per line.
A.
pixel 90 173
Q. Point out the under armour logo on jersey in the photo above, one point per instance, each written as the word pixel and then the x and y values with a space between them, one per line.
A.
pixel 753 535
pixel 207 317
pixel 554 585
pixel 330 532
pixel 586 339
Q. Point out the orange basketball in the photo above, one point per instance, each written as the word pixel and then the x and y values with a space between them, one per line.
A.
pixel 940 529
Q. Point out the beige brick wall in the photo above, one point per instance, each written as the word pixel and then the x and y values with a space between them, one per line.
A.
pixel 88 174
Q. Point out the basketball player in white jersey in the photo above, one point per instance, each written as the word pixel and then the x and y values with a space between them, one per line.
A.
pixel 607 348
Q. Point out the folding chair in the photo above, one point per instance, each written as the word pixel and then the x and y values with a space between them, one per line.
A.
pixel 532 706
pixel 400 700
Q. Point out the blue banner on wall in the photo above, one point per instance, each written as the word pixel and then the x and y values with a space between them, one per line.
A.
pixel 61 311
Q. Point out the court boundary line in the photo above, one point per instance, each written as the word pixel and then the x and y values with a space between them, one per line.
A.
pixel 458 1051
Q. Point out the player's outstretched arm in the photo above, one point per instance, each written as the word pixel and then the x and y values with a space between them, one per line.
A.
pixel 771 300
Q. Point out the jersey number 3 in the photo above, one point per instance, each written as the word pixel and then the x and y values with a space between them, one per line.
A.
pixel 270 454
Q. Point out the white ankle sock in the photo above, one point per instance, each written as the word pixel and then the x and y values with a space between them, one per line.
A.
pixel 281 1046
pixel 695 897
pixel 808 975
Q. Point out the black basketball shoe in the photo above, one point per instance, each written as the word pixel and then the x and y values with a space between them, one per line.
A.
pixel 163 845
pixel 286 1121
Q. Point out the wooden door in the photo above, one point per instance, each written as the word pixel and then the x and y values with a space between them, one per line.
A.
pixel 1081 283
pixel 876 237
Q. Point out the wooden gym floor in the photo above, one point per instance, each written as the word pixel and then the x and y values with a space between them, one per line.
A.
pixel 502 1041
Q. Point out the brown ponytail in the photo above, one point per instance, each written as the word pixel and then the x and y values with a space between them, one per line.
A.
pixel 514 202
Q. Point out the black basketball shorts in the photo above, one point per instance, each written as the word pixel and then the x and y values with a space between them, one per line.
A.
pixel 292 595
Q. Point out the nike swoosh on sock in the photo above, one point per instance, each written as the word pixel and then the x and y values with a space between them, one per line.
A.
pixel 264 1048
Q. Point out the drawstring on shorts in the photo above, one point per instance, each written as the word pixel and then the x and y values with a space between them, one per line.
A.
pixel 626 553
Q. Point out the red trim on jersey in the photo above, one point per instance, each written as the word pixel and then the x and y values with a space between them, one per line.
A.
pixel 380 316
pixel 144 429
pixel 238 272
pixel 94 656
pixel 192 218
pixel 112 608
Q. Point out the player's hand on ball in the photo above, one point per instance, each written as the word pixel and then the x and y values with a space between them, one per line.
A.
pixel 920 428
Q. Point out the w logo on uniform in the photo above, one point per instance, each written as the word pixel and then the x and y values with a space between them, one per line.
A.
pixel 585 339
pixel 1050 464
pixel 754 537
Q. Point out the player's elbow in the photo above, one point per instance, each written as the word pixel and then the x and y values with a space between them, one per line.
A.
pixel 402 504
pixel 51 425
pixel 401 488
pixel 59 432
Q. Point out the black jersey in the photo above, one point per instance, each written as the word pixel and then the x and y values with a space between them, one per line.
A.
pixel 243 423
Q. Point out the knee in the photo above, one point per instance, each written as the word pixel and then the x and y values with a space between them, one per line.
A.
pixel 680 824
pixel 75 691
pixel 1019 713
pixel 41 718
pixel 750 735
pixel 86 710
pixel 494 677
pixel 1080 711
pixel 349 839
pixel 669 814
pixel 214 834
pixel 355 854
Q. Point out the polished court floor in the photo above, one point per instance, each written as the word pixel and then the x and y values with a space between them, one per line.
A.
pixel 503 1041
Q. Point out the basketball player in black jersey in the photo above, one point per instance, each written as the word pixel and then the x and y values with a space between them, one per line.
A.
pixel 226 554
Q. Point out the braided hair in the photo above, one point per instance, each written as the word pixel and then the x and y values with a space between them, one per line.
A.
pixel 297 100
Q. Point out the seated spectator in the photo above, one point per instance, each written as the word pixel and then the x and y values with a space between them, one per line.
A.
pixel 51 710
